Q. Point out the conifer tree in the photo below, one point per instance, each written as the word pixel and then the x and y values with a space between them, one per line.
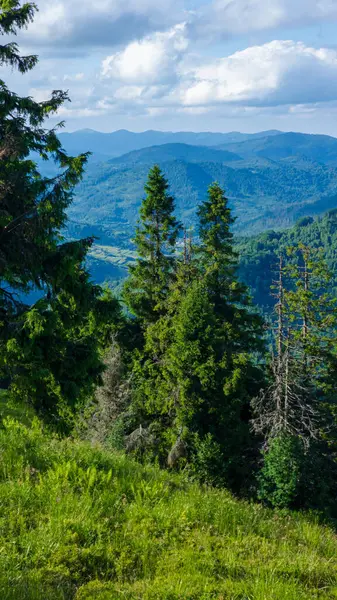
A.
pixel 146 289
pixel 197 373
pixel 49 350
pixel 32 208
pixel 216 250
pixel 304 364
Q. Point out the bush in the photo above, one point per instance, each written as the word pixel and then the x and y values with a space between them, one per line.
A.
pixel 281 472
pixel 295 477
pixel 207 463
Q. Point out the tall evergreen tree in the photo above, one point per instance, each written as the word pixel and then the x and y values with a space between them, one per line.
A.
pixel 32 207
pixel 219 262
pixel 146 289
pixel 49 350
pixel 197 373
pixel 304 360
pixel 216 250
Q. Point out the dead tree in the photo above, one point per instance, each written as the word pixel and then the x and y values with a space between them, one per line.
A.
pixel 287 406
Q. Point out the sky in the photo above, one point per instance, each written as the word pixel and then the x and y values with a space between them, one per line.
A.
pixel 192 65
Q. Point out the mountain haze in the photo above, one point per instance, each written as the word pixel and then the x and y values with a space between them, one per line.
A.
pixel 123 141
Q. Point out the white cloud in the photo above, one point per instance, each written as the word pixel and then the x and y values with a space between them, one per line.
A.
pixel 156 71
pixel 82 23
pixel 40 94
pixel 280 72
pixel 285 74
pixel 147 61
pixel 233 17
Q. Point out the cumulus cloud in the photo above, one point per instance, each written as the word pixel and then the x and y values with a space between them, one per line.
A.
pixel 236 17
pixel 156 62
pixel 280 72
pixel 159 75
pixel 153 59
pixel 156 73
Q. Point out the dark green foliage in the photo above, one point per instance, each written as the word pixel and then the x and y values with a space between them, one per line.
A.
pixel 50 350
pixel 281 472
pixel 295 477
pixel 295 413
pixel 259 256
pixel 196 373
pixel 146 290
pixel 216 247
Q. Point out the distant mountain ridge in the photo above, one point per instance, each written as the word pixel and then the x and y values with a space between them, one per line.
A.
pixel 317 148
pixel 120 142
pixel 176 151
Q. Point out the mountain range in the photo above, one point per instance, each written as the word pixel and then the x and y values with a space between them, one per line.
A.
pixel 123 141
pixel 272 178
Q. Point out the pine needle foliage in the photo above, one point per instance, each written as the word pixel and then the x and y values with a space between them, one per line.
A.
pixel 49 350
pixel 146 290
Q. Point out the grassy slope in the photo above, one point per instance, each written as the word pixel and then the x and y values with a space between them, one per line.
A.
pixel 79 523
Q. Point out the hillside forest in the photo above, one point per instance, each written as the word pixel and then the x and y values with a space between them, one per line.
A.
pixel 158 444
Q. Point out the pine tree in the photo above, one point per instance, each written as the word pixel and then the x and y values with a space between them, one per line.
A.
pixel 146 289
pixel 197 374
pixel 48 350
pixel 219 263
pixel 32 207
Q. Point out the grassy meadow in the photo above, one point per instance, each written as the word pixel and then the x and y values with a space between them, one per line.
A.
pixel 80 523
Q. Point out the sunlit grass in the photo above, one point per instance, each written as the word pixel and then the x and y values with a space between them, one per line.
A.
pixel 79 523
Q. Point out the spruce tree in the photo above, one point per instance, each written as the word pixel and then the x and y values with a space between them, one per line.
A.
pixel 49 350
pixel 304 359
pixel 216 250
pixel 197 373
pixel 146 289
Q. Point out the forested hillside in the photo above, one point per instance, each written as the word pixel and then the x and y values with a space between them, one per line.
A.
pixel 264 193
pixel 259 255
pixel 316 148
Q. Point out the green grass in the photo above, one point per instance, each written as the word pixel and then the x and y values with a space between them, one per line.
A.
pixel 77 522
pixel 11 409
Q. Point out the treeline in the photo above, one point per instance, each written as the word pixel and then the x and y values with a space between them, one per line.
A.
pixel 179 373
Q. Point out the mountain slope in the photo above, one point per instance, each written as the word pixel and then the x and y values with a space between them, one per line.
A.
pixel 169 152
pixel 83 523
pixel 317 148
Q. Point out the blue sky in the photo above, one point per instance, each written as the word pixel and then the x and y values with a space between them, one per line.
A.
pixel 218 65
